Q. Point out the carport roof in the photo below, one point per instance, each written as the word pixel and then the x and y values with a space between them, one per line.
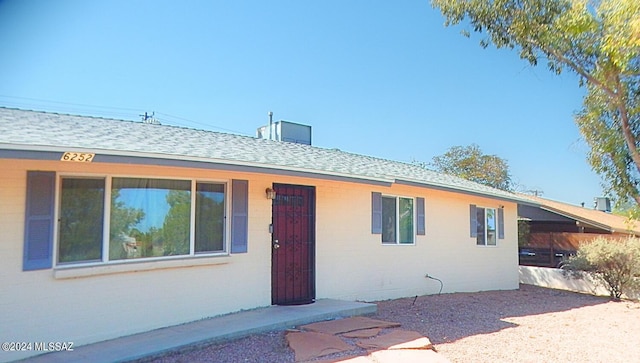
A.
pixel 43 135
pixel 606 221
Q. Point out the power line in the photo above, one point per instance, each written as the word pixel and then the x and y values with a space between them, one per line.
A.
pixel 69 103
pixel 111 111
pixel 201 123
pixel 68 107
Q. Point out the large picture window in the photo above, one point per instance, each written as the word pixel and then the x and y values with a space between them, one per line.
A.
pixel 146 218
pixel 149 218
pixel 397 220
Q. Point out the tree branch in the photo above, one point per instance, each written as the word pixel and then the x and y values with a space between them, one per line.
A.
pixel 629 137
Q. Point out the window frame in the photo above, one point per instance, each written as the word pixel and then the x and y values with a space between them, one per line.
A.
pixel 226 243
pixel 483 225
pixel 414 221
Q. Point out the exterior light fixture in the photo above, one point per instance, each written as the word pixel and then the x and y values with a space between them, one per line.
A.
pixel 271 194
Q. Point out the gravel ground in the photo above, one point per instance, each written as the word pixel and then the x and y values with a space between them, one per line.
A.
pixel 531 324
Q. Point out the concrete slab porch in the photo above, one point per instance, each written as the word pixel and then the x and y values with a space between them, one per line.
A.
pixel 207 331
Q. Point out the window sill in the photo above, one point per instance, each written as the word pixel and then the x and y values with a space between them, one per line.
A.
pixel 69 272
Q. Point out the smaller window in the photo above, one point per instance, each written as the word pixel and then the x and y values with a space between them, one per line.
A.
pixel 81 219
pixel 486 226
pixel 210 217
pixel 397 220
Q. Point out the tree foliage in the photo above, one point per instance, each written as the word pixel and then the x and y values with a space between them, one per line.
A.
pixel 209 223
pixel 613 263
pixel 469 162
pixel 599 40
pixel 81 220
pixel 122 222
pixel 175 228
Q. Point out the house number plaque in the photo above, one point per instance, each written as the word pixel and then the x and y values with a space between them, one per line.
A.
pixel 77 157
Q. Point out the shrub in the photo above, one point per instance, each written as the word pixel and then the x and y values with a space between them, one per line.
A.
pixel 615 263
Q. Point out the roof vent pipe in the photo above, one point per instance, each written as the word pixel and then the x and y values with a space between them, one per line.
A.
pixel 270 125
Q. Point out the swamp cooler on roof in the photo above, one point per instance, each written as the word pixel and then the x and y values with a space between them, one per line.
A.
pixel 286 131
pixel 602 204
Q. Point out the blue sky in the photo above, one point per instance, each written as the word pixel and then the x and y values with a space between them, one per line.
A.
pixel 381 78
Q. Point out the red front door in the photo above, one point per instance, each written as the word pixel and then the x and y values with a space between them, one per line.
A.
pixel 293 245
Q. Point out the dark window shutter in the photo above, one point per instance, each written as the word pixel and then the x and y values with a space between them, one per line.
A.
pixel 500 223
pixel 376 213
pixel 239 215
pixel 473 220
pixel 421 229
pixel 38 234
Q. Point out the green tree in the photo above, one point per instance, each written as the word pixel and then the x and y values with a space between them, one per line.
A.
pixel 209 223
pixel 122 221
pixel 599 40
pixel 81 220
pixel 146 241
pixel 613 263
pixel 176 226
pixel 469 162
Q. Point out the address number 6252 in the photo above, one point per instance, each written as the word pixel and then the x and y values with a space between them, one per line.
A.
pixel 78 157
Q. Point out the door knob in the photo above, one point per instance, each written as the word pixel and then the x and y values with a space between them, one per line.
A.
pixel 276 245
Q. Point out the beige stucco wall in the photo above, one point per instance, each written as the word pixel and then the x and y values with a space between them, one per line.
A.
pixel 351 263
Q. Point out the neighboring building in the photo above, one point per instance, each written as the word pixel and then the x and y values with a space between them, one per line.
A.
pixel 110 227
pixel 561 227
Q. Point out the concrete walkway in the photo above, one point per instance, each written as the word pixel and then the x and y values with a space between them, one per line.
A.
pixel 207 331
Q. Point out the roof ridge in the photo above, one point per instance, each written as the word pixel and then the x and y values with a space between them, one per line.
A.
pixel 119 120
pixel 334 149
pixel 63 114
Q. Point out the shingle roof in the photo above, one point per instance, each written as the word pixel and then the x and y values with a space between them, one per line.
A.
pixel 607 221
pixel 22 130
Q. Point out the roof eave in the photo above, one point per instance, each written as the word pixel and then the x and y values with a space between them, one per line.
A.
pixel 462 190
pixel 53 153
pixel 579 219
pixel 596 224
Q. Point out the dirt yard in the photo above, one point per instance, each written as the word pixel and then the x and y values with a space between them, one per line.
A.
pixel 531 324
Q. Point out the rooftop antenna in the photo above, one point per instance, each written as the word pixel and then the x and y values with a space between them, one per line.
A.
pixel 270 125
pixel 535 192
pixel 149 119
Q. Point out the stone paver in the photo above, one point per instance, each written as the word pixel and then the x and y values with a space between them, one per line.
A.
pixel 348 325
pixel 309 345
pixel 381 345
pixel 397 339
